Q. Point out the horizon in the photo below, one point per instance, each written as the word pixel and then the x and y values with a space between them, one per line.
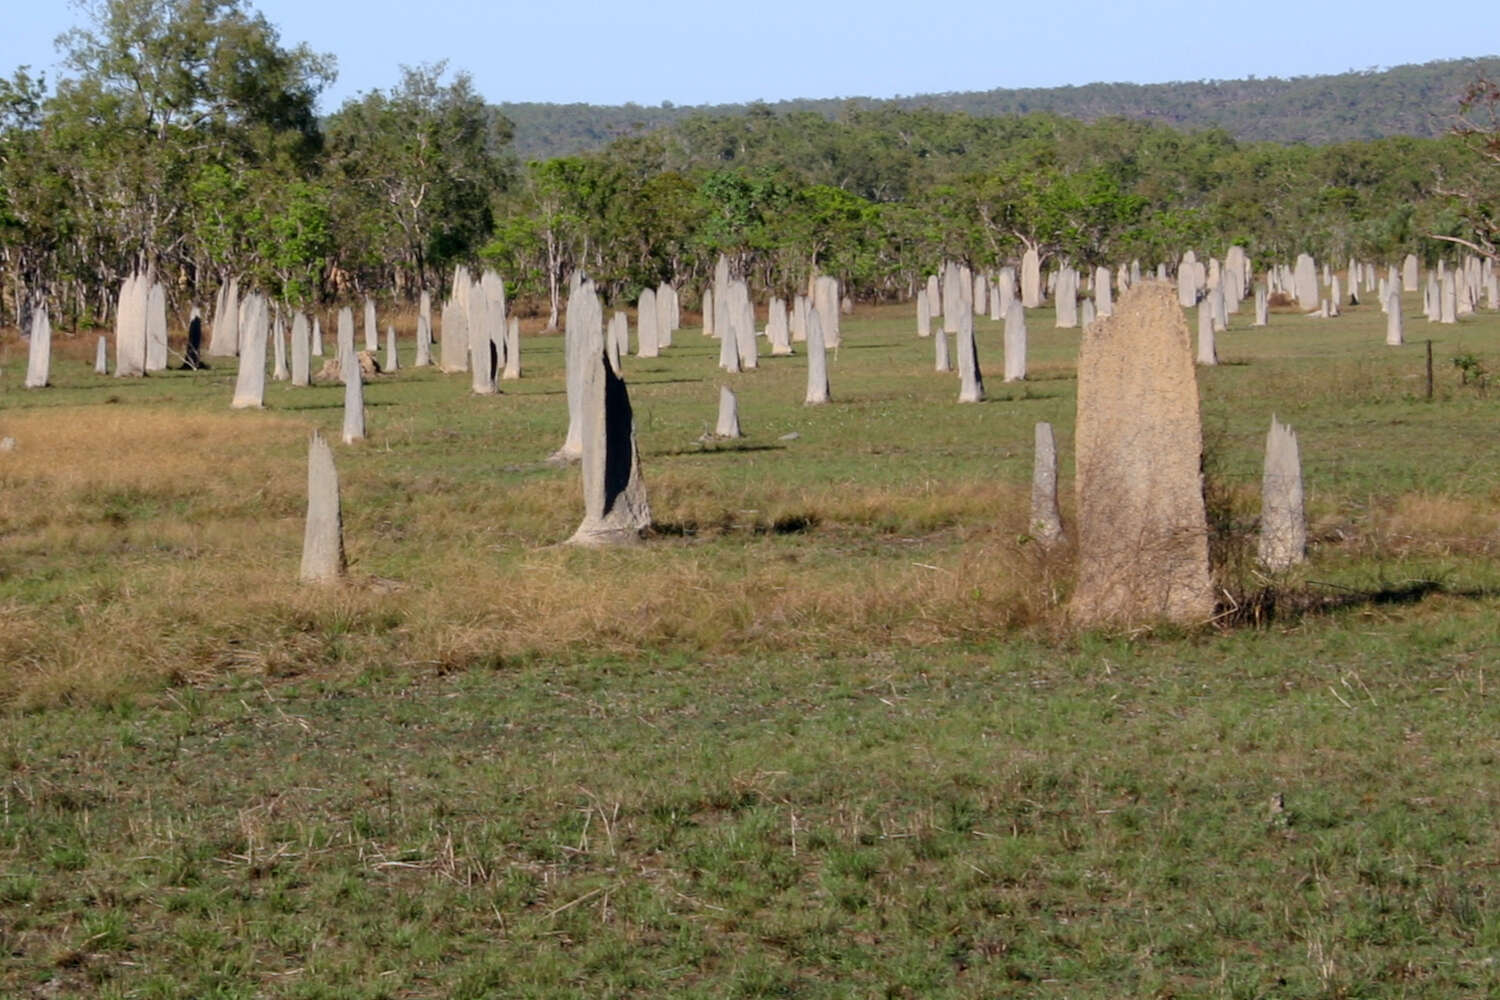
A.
pixel 1207 81
pixel 868 55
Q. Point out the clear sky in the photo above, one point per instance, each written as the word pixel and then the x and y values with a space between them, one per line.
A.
pixel 604 52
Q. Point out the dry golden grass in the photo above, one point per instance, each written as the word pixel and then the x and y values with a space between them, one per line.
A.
pixel 190 622
pixel 154 556
pixel 67 345
pixel 1439 525
pixel 771 596
pixel 76 450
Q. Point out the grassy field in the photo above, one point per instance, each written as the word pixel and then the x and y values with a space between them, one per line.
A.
pixel 827 734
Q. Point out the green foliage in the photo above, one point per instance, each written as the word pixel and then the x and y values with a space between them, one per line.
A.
pixel 743 208
pixel 517 248
pixel 411 176
pixel 1471 371
pixel 301 241
pixel 21 100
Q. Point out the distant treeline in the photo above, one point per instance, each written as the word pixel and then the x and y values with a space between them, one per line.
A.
pixel 879 198
pixel 1414 100
pixel 157 153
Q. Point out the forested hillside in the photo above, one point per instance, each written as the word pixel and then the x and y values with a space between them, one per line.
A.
pixel 1414 100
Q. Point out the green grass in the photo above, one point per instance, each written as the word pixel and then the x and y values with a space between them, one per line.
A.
pixel 826 736
pixel 1087 820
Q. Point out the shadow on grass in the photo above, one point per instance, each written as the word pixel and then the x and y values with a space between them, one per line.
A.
pixel 717 449
pixel 302 407
pixel 1023 396
pixel 370 404
pixel 788 524
pixel 664 381
pixel 47 398
pixel 1271 604
pixel 674 529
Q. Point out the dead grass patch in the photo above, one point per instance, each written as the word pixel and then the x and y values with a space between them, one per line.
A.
pixel 171 573
pixel 71 461
pixel 1436 525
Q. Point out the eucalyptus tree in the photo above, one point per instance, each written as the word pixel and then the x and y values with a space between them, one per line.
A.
pixel 414 173
pixel 181 124
pixel 32 212
pixel 1477 123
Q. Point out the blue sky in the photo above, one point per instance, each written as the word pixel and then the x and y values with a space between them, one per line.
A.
pixel 695 53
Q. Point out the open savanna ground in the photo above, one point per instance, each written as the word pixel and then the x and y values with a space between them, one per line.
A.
pixel 827 733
